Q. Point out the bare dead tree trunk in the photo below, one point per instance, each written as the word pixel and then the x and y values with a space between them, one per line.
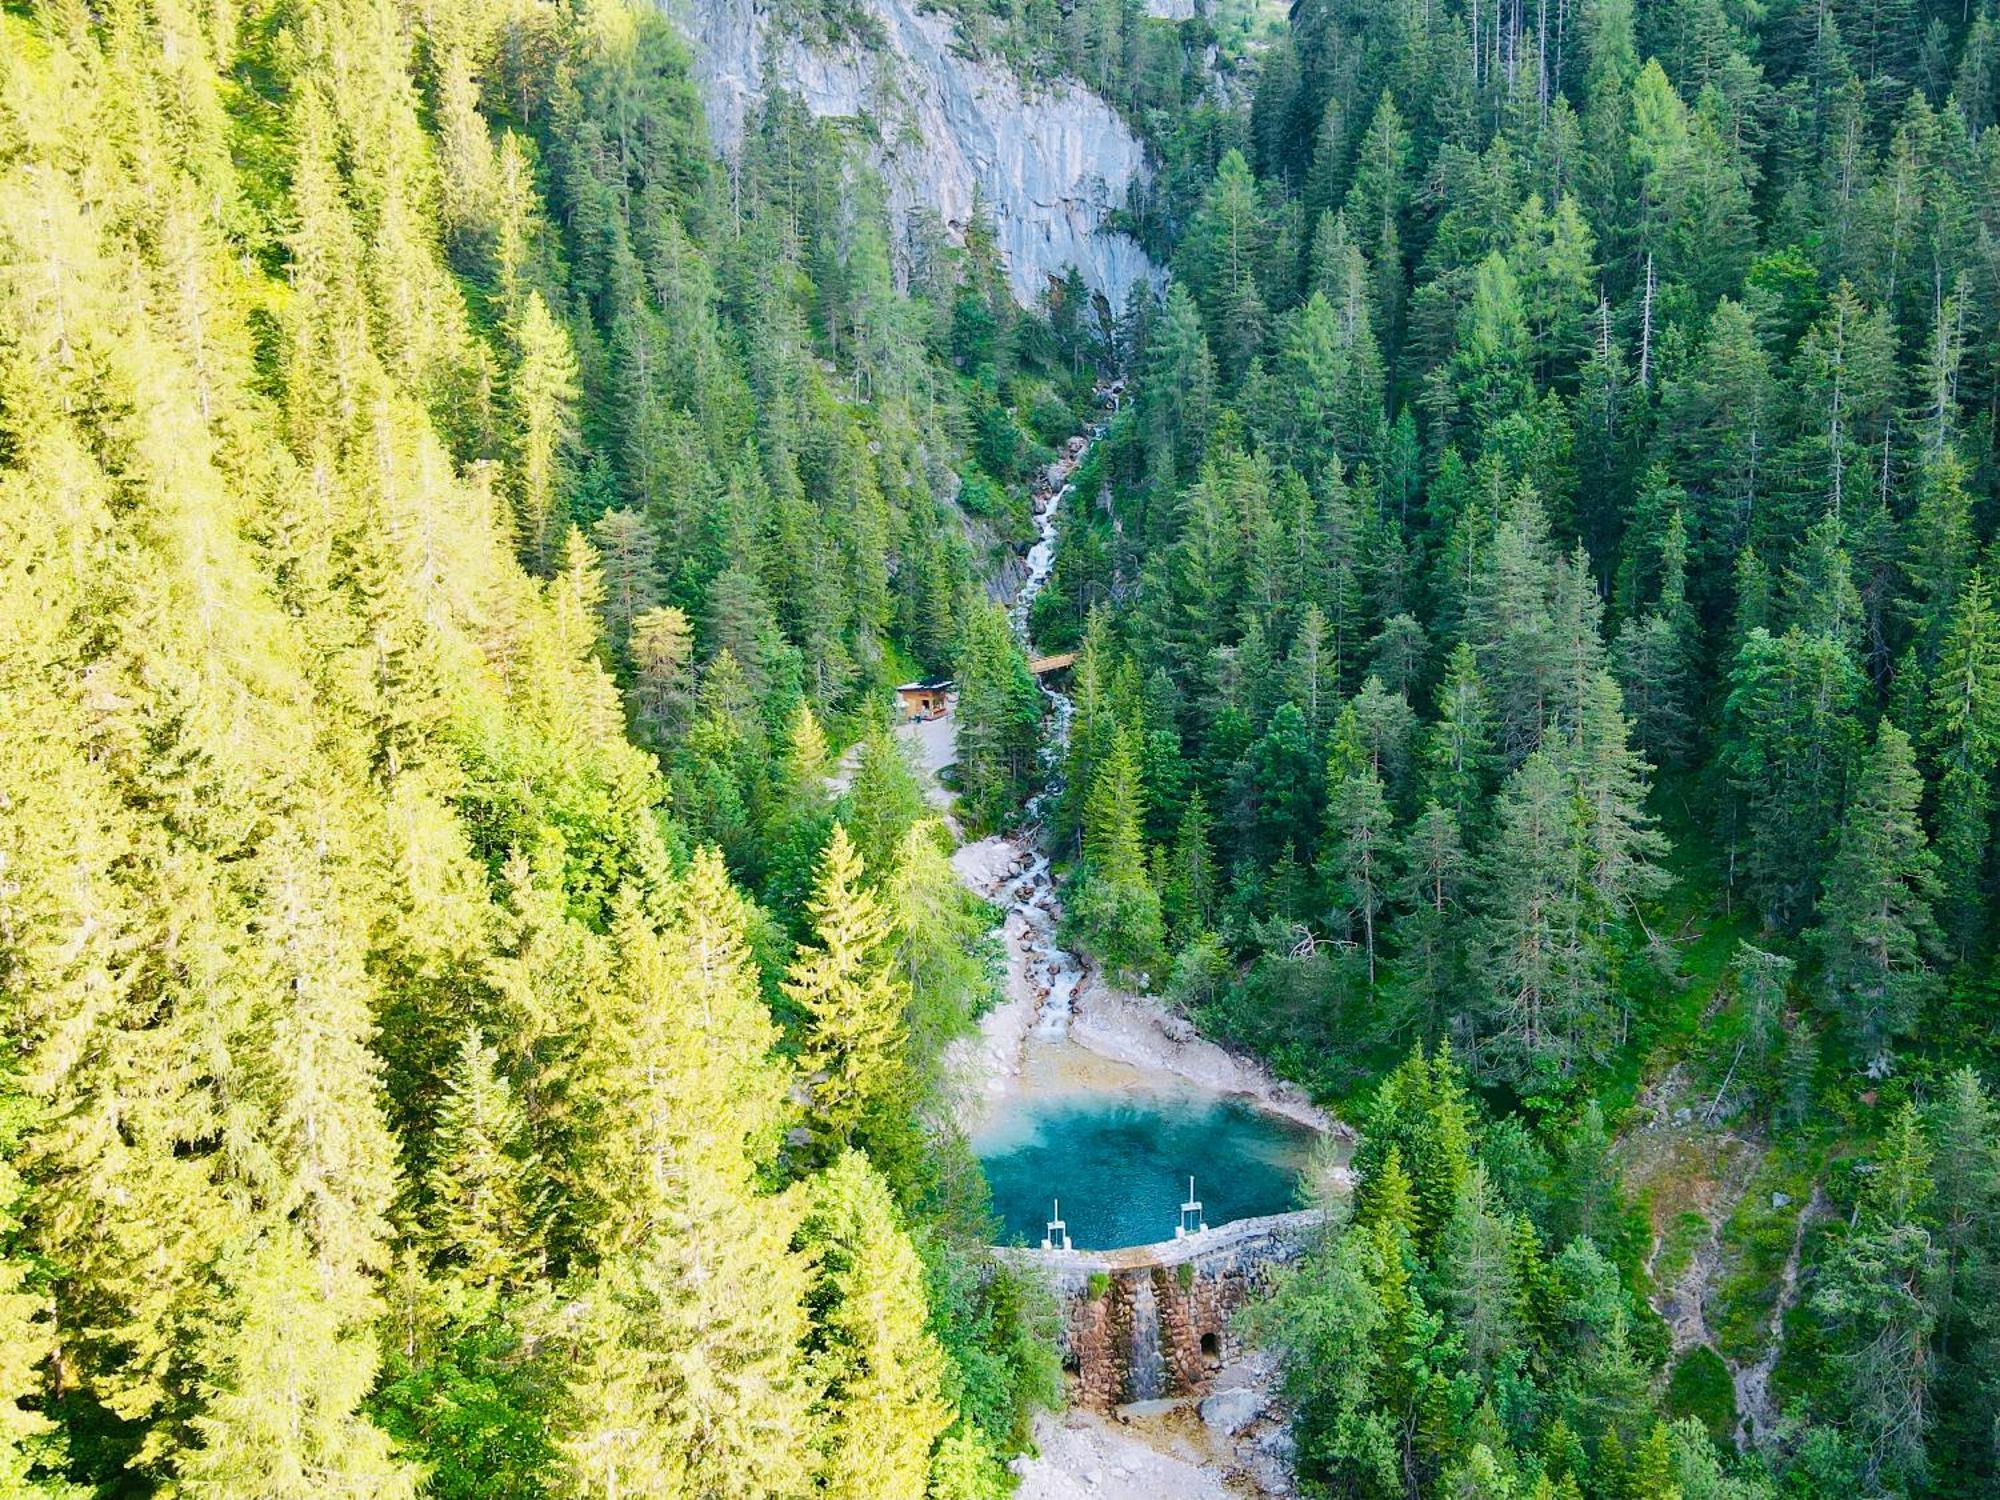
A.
pixel 1646 329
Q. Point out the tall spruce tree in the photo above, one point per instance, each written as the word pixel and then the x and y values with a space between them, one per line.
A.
pixel 1876 933
pixel 481 1191
pixel 999 720
pixel 940 945
pixel 1115 906
pixel 880 1371
pixel 853 1002
pixel 1792 736
pixel 1965 732
pixel 1544 1003
pixel 686 1371
pixel 1359 847
pixel 1428 931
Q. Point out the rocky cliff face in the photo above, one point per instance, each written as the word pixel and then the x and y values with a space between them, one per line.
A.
pixel 1051 163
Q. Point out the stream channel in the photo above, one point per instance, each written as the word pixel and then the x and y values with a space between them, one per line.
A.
pixel 1114 1141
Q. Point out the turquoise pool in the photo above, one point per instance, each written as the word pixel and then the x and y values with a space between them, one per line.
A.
pixel 1120 1163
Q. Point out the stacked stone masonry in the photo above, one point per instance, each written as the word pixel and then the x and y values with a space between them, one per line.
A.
pixel 1199 1283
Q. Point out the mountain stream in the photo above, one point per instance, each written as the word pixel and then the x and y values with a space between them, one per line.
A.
pixel 1094 1099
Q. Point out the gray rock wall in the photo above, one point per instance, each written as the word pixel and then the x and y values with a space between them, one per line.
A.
pixel 1052 163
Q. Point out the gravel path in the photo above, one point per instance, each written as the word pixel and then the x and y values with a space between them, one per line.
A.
pixel 1088 1457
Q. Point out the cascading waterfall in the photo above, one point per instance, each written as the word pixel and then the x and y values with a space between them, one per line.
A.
pixel 1115 1147
pixel 1058 970
pixel 1147 1375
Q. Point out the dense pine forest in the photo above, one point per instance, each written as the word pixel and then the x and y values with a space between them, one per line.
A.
pixel 455 1042
pixel 1539 643
pixel 478 967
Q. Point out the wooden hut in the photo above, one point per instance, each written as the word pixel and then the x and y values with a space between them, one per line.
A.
pixel 924 700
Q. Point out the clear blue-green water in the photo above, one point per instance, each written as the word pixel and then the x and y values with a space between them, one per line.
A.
pixel 1120 1164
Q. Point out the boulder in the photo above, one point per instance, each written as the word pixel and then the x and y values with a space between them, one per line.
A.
pixel 1229 1412
pixel 1278 1444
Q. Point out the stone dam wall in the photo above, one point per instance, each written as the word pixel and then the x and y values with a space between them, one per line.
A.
pixel 1153 1321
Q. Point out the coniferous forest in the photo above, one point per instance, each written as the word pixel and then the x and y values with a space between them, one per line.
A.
pixel 455 1045
pixel 477 967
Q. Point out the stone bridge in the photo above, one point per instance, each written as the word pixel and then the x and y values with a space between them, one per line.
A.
pixel 1153 1321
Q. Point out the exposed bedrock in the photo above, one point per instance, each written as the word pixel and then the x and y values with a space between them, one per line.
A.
pixel 1052 161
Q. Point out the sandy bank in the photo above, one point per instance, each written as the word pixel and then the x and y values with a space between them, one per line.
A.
pixel 1136 1031
pixel 1139 1030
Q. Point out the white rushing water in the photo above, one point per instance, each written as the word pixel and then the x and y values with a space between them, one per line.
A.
pixel 1052 969
pixel 1082 1456
pixel 1057 1030
pixel 1147 1378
